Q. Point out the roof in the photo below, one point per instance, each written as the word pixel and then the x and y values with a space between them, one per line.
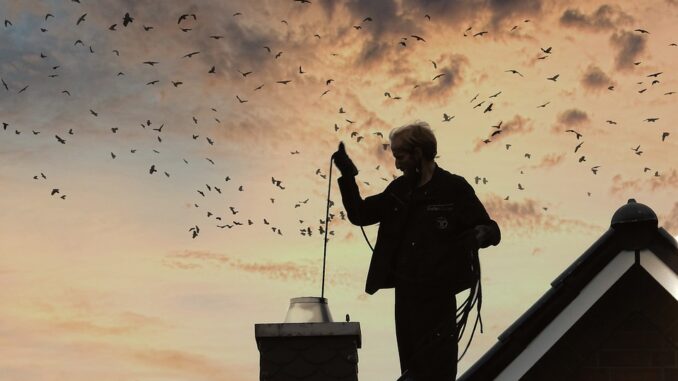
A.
pixel 627 235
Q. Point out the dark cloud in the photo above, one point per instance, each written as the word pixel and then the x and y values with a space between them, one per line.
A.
pixel 604 18
pixel 509 10
pixel 595 79
pixel 573 117
pixel 436 90
pixel 519 125
pixel 629 46
pixel 372 54
pixel 464 13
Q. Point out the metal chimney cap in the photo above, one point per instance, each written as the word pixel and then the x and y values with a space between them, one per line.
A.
pixel 633 213
pixel 308 309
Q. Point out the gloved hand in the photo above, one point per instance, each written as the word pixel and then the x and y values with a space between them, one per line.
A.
pixel 343 162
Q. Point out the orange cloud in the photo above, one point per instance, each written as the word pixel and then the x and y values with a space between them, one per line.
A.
pixel 285 271
pixel 519 125
pixel 527 217
pixel 663 181
pixel 183 362
pixel 549 161
pixel 669 221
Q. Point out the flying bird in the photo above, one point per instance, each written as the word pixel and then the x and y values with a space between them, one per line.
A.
pixel 127 19
pixel 189 55
pixel 576 133
pixel 183 17
pixel 577 147
pixel 514 72
pixel 438 76
pixel 81 19
pixel 554 78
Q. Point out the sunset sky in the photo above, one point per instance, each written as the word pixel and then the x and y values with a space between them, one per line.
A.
pixel 104 280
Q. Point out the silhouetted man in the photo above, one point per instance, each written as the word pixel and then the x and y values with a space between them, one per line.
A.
pixel 430 225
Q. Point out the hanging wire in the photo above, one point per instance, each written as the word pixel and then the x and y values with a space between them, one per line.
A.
pixel 327 217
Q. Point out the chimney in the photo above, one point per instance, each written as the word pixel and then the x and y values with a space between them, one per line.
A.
pixel 308 346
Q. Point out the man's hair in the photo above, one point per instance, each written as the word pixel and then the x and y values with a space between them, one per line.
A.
pixel 417 134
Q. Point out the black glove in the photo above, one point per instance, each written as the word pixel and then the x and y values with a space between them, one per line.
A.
pixel 343 162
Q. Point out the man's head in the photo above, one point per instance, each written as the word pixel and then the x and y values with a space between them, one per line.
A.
pixel 412 145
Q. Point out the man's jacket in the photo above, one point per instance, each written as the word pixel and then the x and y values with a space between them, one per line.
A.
pixel 446 243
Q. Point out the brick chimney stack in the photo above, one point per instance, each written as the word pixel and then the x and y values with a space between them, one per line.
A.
pixel 313 350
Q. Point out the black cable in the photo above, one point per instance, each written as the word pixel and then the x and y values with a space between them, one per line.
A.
pixel 327 217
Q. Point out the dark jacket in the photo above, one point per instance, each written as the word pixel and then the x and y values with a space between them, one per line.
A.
pixel 451 210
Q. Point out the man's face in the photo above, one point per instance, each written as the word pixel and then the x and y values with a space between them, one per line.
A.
pixel 405 160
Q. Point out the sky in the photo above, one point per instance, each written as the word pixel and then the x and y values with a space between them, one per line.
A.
pixel 159 178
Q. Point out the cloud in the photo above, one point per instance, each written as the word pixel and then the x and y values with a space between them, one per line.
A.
pixel 308 271
pixel 595 79
pixel 526 217
pixel 183 362
pixel 573 117
pixel 443 87
pixel 519 125
pixel 604 18
pixel 570 118
pixel 669 221
pixel 502 10
pixel 663 181
pixel 468 12
pixel 549 161
pixel 629 46
pixel 619 185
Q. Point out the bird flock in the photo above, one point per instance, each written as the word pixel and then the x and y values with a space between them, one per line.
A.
pixel 187 22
